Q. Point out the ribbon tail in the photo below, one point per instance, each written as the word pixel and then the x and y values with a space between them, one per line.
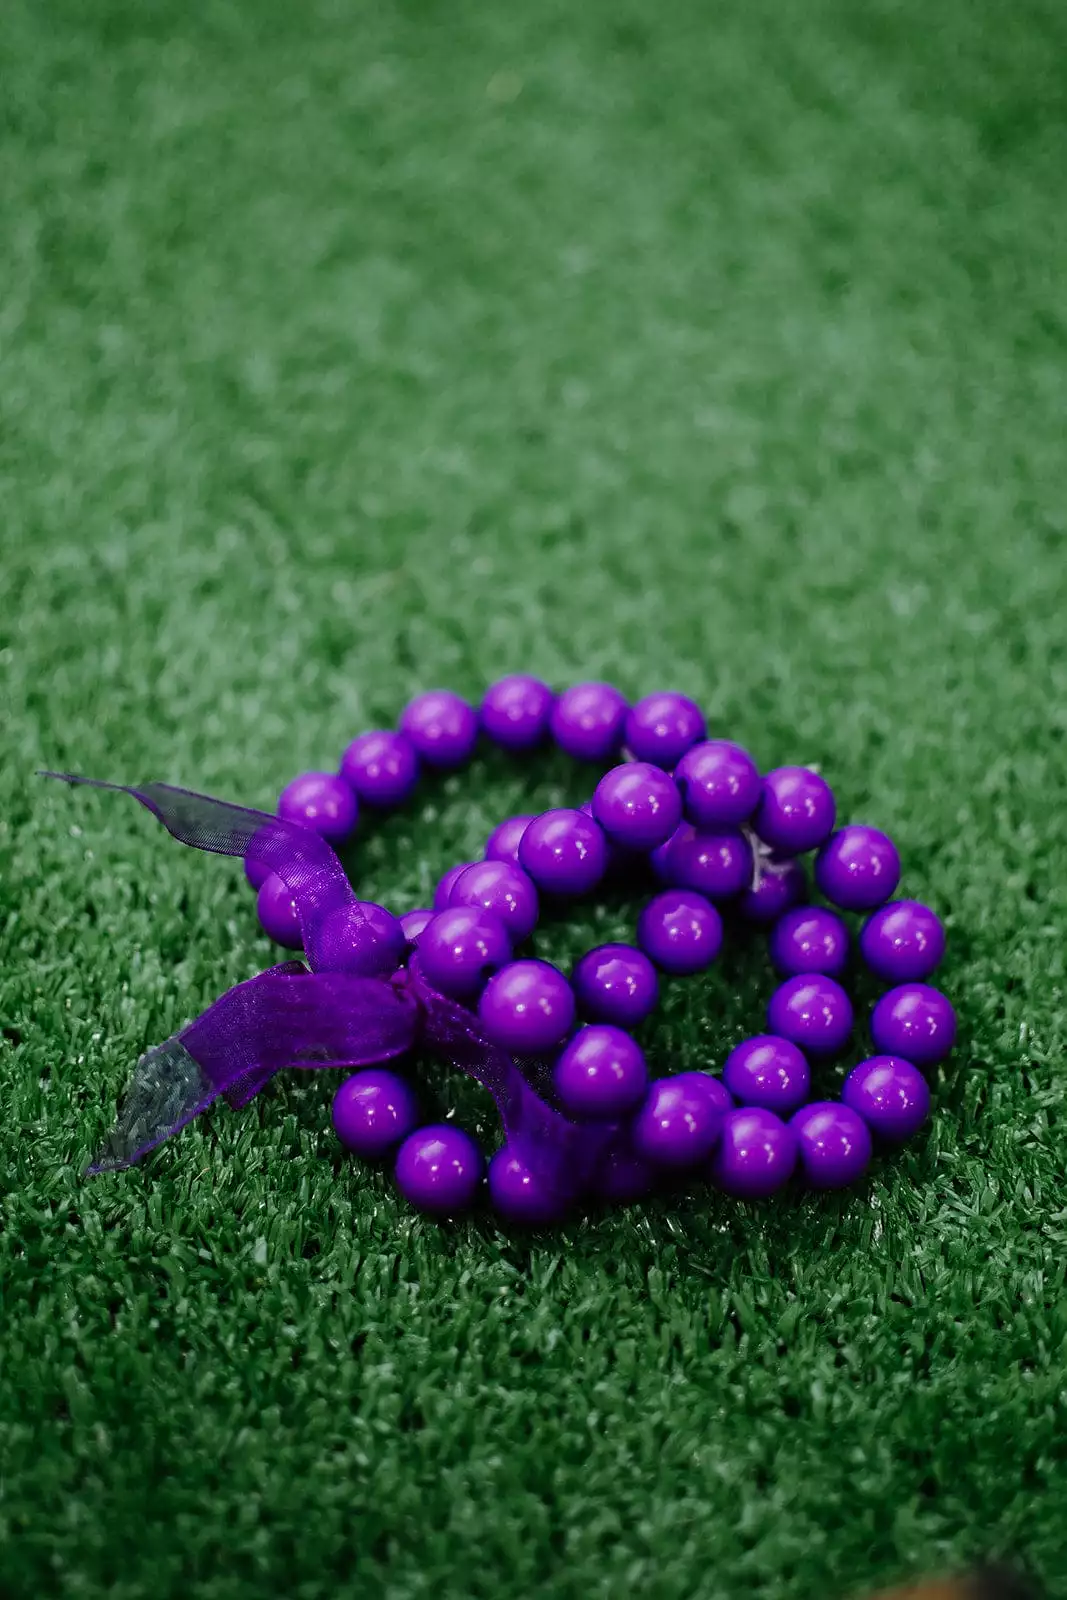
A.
pixel 306 863
pixel 194 819
pixel 285 1017
pixel 168 1089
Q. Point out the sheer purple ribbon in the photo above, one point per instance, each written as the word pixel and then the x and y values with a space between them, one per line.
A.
pixel 289 1016
pixel 307 864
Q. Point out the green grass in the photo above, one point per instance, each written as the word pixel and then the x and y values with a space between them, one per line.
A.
pixel 352 350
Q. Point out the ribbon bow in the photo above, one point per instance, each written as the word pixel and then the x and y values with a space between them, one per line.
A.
pixel 308 1016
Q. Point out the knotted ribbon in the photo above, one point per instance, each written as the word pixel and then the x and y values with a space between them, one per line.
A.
pixel 290 1016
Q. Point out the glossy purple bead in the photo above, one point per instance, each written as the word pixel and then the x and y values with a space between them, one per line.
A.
pixel 680 931
pixel 890 1094
pixel 276 910
pixel 461 948
pixel 782 885
pixel 661 727
pixel 439 1168
pixel 718 865
pixel 719 783
pixel 903 941
pixel 587 721
pixel 755 1155
pixel 381 767
pixel 809 939
pixel 637 805
pixel 504 890
pixel 372 1111
pixel 623 1176
pixel 360 938
pixel 834 1143
pixel 503 843
pixel 680 1120
pixel 768 1071
pixel 516 711
pixel 916 1022
pixel 813 1012
pixel 414 922
pixel 442 895
pixel 527 1007
pixel 601 1074
pixel 564 852
pixel 442 727
pixel 858 868
pixel 616 983
pixel 321 801
pixel 796 811
pixel 519 1193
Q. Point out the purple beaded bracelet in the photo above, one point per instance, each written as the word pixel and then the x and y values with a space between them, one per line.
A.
pixel 581 1117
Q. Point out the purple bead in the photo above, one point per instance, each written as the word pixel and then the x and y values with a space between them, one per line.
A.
pixel 442 727
pixel 637 805
pixel 276 910
pixel 360 938
pixel 515 711
pixel 858 868
pixel 439 1168
pixel 413 924
pixel 680 1120
pixel 461 948
pixel 756 1154
pixel 716 864
pixel 616 983
pixel 809 939
pixel 769 1072
pixel 587 721
pixel 814 1012
pixel 527 1007
pixel 564 852
pixel 834 1143
pixel 372 1111
pixel 321 801
pixel 719 783
pixel 661 727
pixel 601 1074
pixel 796 811
pixel 680 931
pixel 903 941
pixel 503 843
pixel 504 890
pixel 519 1193
pixel 623 1176
pixel 890 1094
pixel 442 895
pixel 256 873
pixel 381 767
pixel 916 1022
pixel 781 886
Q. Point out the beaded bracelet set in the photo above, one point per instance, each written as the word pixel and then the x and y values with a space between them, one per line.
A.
pixel 716 832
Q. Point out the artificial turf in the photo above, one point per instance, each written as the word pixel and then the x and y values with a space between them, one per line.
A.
pixel 349 350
